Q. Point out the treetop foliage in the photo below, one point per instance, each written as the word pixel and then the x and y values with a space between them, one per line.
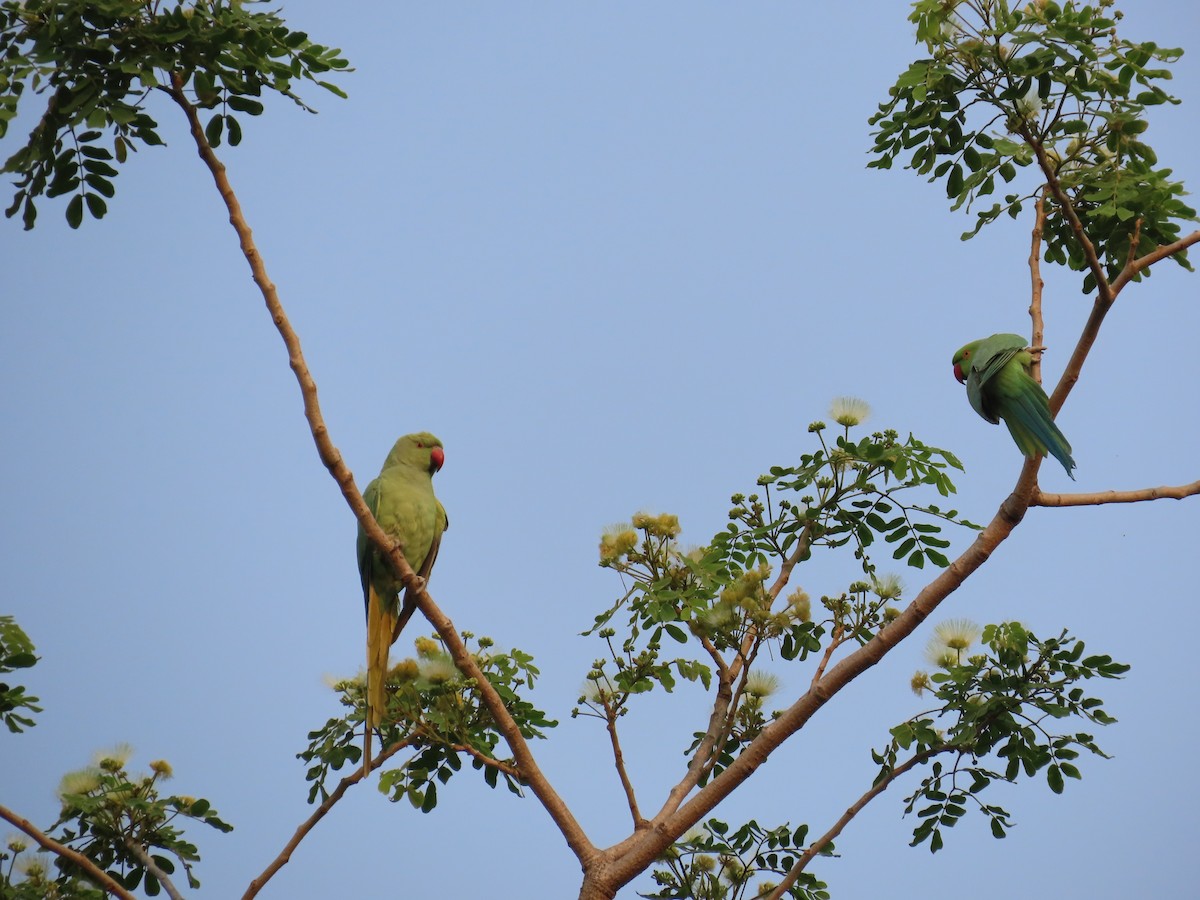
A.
pixel 99 63
pixel 1049 85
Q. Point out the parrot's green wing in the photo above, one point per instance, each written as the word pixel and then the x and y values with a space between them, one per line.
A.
pixel 992 355
pixel 409 606
pixel 366 550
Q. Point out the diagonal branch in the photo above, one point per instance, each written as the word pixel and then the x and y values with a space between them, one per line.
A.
pixel 511 771
pixel 1091 328
pixel 824 840
pixel 1103 288
pixel 1105 295
pixel 332 458
pixel 1136 266
pixel 89 868
pixel 700 763
pixel 1097 498
pixel 152 867
pixel 285 855
pixel 791 720
pixel 619 761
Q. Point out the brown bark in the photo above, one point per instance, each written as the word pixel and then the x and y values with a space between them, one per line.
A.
pixel 333 461
pixel 89 868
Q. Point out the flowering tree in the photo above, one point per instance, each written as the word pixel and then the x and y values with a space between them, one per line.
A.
pixel 1046 98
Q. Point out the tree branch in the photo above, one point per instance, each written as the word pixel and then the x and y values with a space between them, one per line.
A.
pixel 836 639
pixel 1103 288
pixel 332 458
pixel 1100 309
pixel 619 762
pixel 89 868
pixel 1035 276
pixel 791 720
pixel 152 867
pixel 285 855
pixel 484 759
pixel 785 570
pixel 1105 294
pixel 1097 498
pixel 824 840
pixel 1136 266
pixel 698 765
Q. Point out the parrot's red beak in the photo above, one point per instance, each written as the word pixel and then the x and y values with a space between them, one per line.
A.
pixel 958 373
pixel 437 456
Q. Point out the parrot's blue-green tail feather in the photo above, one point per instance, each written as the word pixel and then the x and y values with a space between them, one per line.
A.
pixel 1029 422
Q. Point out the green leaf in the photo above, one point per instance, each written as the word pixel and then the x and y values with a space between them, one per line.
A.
pixel 212 131
pixel 96 205
pixel 245 104
pixel 75 211
pixel 430 801
pixel 1054 778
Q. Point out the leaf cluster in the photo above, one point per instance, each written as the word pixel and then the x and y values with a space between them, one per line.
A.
pixel 98 62
pixel 999 714
pixel 714 863
pixel 16 652
pixel 118 820
pixel 435 714
pixel 724 602
pixel 1046 84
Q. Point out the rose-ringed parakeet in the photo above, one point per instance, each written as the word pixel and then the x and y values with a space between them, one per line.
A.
pixel 403 503
pixel 999 386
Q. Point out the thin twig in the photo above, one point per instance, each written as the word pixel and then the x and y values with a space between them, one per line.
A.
pixel 836 638
pixel 538 783
pixel 824 840
pixel 1158 254
pixel 1103 288
pixel 152 867
pixel 622 772
pixel 1097 498
pixel 511 771
pixel 89 868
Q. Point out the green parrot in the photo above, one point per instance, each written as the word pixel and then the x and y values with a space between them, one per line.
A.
pixel 999 386
pixel 403 503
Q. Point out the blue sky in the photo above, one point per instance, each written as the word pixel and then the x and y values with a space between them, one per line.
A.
pixel 617 256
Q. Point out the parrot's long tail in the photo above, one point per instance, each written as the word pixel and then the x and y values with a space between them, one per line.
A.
pixel 1029 422
pixel 380 625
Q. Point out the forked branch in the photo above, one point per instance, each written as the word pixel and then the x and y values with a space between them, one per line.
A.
pixel 826 839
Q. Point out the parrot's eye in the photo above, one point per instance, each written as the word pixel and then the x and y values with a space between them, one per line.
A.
pixel 419 444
